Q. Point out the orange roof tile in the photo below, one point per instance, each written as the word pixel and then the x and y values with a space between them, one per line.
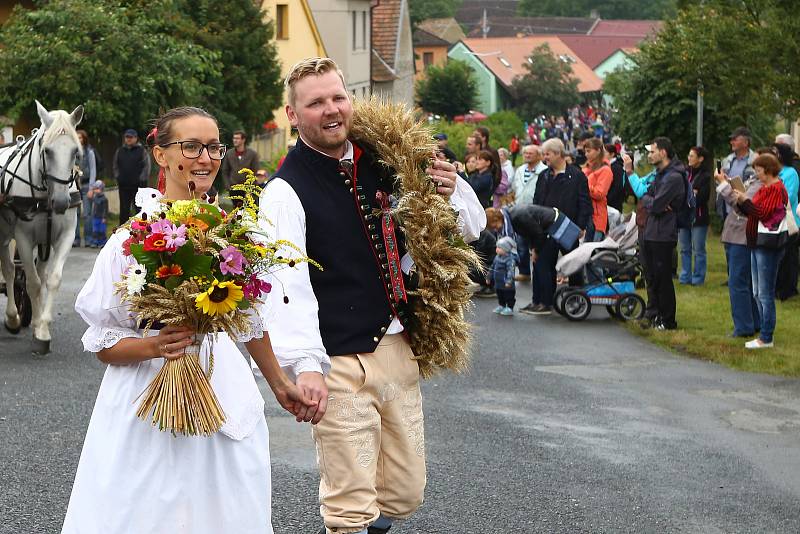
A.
pixel 626 28
pixel 385 29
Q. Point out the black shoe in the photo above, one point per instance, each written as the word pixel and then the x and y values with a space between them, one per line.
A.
pixel 662 326
pixel 485 292
pixel 541 309
pixel 376 530
pixel 528 309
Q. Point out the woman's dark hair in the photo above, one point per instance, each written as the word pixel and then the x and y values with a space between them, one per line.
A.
pixel 611 148
pixel 161 134
pixel 785 154
pixel 494 169
pixel 769 163
pixel 702 152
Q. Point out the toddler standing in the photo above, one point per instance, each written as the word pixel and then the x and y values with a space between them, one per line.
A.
pixel 503 275
pixel 99 214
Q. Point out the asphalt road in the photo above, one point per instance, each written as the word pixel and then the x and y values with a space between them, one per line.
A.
pixel 559 427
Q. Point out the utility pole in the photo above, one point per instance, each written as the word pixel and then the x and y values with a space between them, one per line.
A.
pixel 485 25
pixel 699 139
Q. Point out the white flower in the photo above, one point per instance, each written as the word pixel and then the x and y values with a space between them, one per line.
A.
pixel 136 277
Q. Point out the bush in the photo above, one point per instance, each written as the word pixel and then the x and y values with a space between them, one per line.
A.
pixel 502 125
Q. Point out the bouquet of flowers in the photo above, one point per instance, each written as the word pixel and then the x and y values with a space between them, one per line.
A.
pixel 198 266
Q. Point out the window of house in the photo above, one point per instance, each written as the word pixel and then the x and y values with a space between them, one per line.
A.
pixel 427 59
pixel 364 30
pixel 282 21
pixel 355 30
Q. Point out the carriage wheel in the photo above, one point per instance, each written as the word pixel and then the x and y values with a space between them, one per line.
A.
pixel 24 308
pixel 577 306
pixel 558 299
pixel 630 307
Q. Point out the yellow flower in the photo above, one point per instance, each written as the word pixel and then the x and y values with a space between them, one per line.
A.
pixel 221 298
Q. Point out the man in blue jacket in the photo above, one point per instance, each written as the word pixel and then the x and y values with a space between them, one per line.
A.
pixel 564 187
pixel 664 199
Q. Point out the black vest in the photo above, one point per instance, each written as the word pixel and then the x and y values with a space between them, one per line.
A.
pixel 343 234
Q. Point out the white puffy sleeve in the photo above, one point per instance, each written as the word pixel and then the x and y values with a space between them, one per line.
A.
pixel 98 304
pixel 256 327
pixel 471 215
pixel 294 325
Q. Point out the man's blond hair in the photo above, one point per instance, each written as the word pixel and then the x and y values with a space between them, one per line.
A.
pixel 312 66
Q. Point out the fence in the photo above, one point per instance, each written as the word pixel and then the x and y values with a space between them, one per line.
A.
pixel 270 146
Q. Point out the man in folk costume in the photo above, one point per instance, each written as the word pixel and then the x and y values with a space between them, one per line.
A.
pixel 347 333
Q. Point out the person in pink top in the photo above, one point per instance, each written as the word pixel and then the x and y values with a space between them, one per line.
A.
pixel 598 173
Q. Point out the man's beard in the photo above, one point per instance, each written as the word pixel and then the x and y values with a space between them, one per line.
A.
pixel 316 136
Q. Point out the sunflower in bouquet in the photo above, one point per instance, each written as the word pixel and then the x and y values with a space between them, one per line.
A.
pixel 198 266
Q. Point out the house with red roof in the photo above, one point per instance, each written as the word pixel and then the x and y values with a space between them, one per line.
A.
pixel 392 59
pixel 497 61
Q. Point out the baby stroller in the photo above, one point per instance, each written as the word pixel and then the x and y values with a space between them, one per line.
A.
pixel 612 268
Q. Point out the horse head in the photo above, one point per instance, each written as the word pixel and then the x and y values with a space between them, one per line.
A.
pixel 60 151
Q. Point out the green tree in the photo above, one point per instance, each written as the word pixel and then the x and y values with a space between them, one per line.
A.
pixel 69 52
pixel 547 88
pixel 717 47
pixel 431 9
pixel 249 85
pixel 607 9
pixel 128 59
pixel 449 90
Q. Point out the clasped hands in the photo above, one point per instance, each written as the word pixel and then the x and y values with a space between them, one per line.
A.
pixel 306 400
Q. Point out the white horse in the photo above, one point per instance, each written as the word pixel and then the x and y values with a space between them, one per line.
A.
pixel 38 209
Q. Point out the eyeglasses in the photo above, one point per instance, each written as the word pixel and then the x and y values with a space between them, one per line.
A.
pixel 193 149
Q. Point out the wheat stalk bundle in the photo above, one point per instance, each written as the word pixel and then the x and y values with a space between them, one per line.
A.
pixel 440 335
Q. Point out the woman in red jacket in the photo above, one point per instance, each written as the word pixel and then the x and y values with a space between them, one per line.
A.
pixel 768 208
pixel 598 173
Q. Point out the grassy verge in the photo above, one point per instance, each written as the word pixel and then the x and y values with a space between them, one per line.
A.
pixel 704 322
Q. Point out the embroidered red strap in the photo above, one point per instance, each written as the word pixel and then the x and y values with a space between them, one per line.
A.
pixel 392 253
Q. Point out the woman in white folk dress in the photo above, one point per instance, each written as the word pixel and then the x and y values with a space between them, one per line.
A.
pixel 133 478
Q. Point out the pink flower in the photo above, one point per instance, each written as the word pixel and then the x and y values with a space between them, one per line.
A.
pixel 161 226
pixel 256 287
pixel 176 237
pixel 139 225
pixel 232 260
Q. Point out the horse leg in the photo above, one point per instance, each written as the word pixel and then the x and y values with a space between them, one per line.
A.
pixel 50 273
pixel 52 282
pixel 27 254
pixel 12 322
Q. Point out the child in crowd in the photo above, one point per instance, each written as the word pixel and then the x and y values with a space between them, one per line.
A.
pixel 505 261
pixel 99 214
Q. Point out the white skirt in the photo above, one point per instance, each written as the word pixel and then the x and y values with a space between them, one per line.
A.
pixel 134 479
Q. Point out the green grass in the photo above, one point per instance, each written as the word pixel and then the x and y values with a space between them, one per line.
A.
pixel 704 322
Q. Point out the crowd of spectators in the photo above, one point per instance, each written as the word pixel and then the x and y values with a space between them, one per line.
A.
pixel 574 163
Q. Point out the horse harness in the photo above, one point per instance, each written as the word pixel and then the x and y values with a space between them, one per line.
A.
pixel 26 208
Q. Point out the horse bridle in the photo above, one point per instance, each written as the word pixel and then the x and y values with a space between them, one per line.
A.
pixel 38 205
pixel 23 149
